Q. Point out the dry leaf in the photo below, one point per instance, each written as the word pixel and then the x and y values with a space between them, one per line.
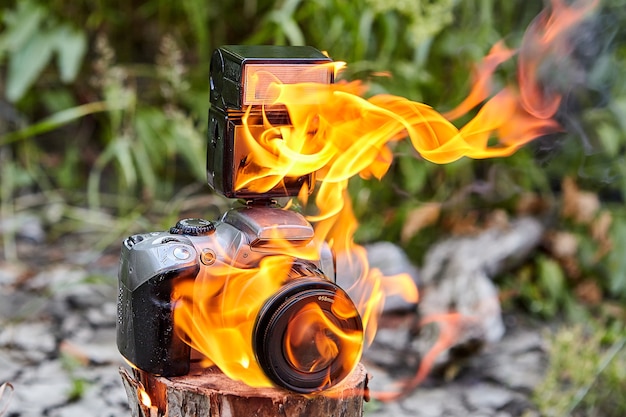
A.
pixel 530 203
pixel 581 206
pixel 600 229
pixel 420 218
pixel 562 244
pixel 589 292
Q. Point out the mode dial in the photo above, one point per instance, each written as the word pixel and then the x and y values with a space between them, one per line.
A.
pixel 193 227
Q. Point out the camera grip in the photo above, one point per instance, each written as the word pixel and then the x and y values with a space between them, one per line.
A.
pixel 145 328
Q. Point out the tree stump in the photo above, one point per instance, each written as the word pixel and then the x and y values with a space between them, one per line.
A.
pixel 210 393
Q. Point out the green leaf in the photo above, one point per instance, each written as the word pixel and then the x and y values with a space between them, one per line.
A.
pixel 292 31
pixel 552 282
pixel 21 25
pixel 55 121
pixel 145 168
pixel 413 173
pixel 123 153
pixel 26 64
pixel 71 45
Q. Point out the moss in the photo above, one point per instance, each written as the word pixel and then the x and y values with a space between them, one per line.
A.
pixel 586 376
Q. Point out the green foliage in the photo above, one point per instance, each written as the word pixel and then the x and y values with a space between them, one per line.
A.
pixel 31 39
pixel 102 128
pixel 121 130
pixel 586 375
pixel 616 262
pixel 79 385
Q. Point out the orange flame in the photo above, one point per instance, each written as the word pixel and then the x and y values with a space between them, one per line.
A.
pixel 546 40
pixel 144 397
pixel 337 134
pixel 217 313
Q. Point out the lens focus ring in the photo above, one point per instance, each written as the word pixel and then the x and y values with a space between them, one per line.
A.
pixel 308 336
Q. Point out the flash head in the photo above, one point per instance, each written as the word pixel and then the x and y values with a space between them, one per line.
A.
pixel 240 82
pixel 241 74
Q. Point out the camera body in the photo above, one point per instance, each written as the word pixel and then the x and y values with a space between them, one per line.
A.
pixel 154 264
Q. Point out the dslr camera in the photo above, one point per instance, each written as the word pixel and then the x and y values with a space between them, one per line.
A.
pixel 153 264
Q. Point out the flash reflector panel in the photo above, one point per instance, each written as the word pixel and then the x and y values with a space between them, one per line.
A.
pixel 258 79
pixel 241 75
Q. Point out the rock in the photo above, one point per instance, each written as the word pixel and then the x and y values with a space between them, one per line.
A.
pixel 57 278
pixel 386 257
pixel 435 402
pixel 98 400
pixel 487 396
pixel 391 347
pixel 84 295
pixel 496 382
pixel 39 389
pixel 518 362
pixel 19 305
pixel 457 288
pixel 35 341
pixel 391 260
pixel 12 273
pixel 100 349
pixel 9 368
pixel 493 250
pixel 24 225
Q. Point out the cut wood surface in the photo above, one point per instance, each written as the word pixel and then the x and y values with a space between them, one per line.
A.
pixel 210 393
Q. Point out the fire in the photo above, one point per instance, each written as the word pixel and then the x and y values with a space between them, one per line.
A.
pixel 217 312
pixel 144 397
pixel 336 133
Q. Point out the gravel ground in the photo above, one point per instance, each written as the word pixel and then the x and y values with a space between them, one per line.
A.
pixel 59 357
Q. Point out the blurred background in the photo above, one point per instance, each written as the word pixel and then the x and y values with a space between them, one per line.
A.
pixel 103 113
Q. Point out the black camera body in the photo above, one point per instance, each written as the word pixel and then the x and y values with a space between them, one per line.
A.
pixel 153 264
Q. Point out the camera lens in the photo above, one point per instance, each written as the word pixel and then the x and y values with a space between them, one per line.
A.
pixel 308 336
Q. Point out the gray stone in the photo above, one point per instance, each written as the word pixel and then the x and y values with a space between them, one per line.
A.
pixel 57 279
pixel 94 403
pixel 487 396
pixel 433 402
pixel 380 380
pixel 9 367
pixel 391 260
pixel 76 327
pixel 19 305
pixel 34 340
pixel 493 250
pixel 11 272
pixel 518 361
pixel 40 388
pixel 85 295
pixel 385 257
pixel 522 372
pixel 104 315
pixel 25 226
pixel 457 288
pixel 100 349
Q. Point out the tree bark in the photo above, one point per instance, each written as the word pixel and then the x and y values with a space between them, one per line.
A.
pixel 210 393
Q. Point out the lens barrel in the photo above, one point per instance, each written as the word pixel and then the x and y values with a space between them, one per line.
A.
pixel 308 336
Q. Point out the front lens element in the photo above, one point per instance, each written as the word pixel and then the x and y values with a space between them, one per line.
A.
pixel 308 336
